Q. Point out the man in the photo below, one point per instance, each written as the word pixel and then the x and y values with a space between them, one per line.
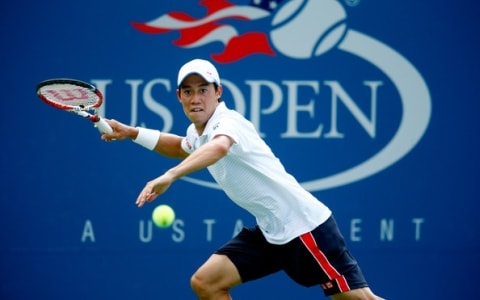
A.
pixel 296 232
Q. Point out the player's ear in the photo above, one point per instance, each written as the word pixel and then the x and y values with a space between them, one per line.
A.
pixel 178 95
pixel 219 91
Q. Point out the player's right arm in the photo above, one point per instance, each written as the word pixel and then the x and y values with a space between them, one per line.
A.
pixel 168 144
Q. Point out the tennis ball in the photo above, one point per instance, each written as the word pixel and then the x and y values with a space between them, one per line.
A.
pixel 163 216
pixel 306 28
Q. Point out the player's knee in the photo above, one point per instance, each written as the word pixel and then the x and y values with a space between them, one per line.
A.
pixel 199 286
pixel 206 289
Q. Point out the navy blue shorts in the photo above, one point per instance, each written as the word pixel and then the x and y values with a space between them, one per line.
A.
pixel 319 257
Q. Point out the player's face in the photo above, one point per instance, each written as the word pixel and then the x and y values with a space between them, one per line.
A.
pixel 199 100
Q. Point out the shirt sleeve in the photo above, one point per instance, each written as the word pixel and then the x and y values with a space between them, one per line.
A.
pixel 188 142
pixel 226 127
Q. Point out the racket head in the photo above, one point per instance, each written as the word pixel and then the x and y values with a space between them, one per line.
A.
pixel 69 94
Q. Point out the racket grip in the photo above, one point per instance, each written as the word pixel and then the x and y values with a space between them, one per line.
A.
pixel 103 126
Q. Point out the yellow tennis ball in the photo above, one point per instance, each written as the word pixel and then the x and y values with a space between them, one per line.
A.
pixel 163 216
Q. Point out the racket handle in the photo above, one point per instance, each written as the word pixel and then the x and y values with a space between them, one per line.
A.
pixel 103 126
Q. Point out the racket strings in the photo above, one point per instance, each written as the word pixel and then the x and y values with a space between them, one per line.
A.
pixel 71 95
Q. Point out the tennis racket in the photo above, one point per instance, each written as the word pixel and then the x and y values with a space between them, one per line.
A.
pixel 74 96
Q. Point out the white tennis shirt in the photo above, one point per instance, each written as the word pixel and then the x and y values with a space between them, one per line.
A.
pixel 255 179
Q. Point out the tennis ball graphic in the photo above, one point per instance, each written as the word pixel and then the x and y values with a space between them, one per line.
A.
pixel 303 29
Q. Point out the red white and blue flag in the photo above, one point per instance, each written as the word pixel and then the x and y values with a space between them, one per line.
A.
pixel 214 27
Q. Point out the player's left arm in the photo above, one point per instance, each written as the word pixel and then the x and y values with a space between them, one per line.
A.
pixel 204 156
pixel 201 158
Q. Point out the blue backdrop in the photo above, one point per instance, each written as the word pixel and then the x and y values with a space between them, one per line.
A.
pixel 372 105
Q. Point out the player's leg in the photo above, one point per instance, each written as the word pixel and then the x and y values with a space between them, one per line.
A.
pixel 248 256
pixel 215 278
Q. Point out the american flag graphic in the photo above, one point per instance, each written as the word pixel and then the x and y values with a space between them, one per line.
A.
pixel 214 27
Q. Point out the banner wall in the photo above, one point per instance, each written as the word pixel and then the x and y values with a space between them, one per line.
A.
pixel 371 105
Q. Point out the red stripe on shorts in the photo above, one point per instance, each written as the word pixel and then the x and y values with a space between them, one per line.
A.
pixel 322 260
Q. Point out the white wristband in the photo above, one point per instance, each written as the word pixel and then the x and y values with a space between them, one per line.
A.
pixel 147 138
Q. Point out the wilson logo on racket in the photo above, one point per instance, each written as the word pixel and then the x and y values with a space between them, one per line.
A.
pixel 68 95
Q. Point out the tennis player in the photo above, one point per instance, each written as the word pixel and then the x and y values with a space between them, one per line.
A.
pixel 295 232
